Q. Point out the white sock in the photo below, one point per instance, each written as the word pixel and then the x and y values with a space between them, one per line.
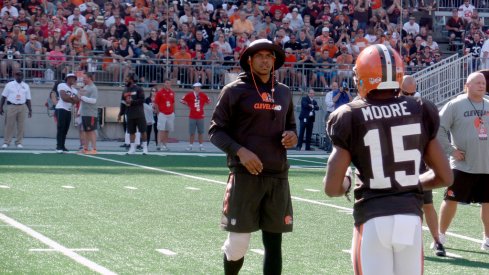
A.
pixel 126 138
pixel 138 138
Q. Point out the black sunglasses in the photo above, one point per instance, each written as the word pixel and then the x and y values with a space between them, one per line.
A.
pixel 406 93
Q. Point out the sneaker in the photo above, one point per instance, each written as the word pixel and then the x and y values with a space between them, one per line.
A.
pixel 132 150
pixel 91 152
pixel 65 150
pixel 82 151
pixel 202 148
pixel 189 148
pixel 139 147
pixel 164 148
pixel 59 151
pixel 485 245
pixel 20 146
pixel 439 249
pixel 5 145
pixel 124 146
pixel 442 237
pixel 158 148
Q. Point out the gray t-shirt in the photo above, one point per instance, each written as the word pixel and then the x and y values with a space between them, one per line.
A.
pixel 89 109
pixel 459 118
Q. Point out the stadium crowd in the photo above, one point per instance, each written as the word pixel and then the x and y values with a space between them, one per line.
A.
pixel 201 42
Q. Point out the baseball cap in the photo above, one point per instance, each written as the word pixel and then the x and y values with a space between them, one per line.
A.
pixel 325 29
pixel 197 84
pixel 70 75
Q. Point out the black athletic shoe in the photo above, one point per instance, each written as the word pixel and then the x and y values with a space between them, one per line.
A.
pixel 439 249
pixel 139 147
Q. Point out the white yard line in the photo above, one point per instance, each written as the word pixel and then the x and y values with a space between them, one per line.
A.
pixel 258 251
pixel 55 250
pixel 346 209
pixel 131 187
pixel 166 252
pixel 192 188
pixel 4 187
pixel 54 245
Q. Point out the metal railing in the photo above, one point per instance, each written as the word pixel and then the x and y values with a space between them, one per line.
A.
pixel 480 5
pixel 440 82
pixel 212 74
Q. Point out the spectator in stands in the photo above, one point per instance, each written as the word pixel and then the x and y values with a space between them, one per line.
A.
pixel 185 33
pixel 76 14
pixel 426 58
pixel 224 46
pixel 56 60
pixel 8 8
pixel 345 64
pixel 278 5
pixel 438 57
pixel 198 65
pixel 455 27
pixel 411 27
pixel 154 42
pixel 305 67
pixel 33 50
pixel 293 44
pixel 242 24
pixel 199 38
pixel 417 48
pixel 473 47
pixel 485 53
pixel 323 72
pixel 134 38
pixel 188 17
pixel 431 44
pixel 146 67
pixel 295 19
pixel 182 61
pixel 304 40
pixel 311 9
pixel 214 69
pixel 324 16
pixel 360 43
pixel 465 11
pixel 288 74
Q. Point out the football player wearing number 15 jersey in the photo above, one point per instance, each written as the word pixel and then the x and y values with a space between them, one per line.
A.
pixel 386 137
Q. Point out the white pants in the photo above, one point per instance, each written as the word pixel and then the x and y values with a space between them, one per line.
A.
pixel 388 245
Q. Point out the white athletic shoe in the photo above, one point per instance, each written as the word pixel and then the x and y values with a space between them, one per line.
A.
pixel 485 245
pixel 442 237
pixel 20 146
pixel 164 148
pixel 5 145
pixel 132 149
pixel 189 148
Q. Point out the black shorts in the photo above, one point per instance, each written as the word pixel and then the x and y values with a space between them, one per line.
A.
pixel 252 203
pixel 89 123
pixel 133 123
pixel 428 197
pixel 468 188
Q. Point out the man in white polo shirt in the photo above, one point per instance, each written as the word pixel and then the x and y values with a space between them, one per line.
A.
pixel 68 95
pixel 18 96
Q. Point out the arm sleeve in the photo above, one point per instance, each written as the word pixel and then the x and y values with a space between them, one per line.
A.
pixel 339 127
pixel 290 124
pixel 220 123
pixel 446 120
pixel 88 99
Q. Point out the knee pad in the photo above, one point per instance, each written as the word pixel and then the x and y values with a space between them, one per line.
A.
pixel 236 245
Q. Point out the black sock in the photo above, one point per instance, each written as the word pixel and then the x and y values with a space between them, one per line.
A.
pixel 272 262
pixel 232 267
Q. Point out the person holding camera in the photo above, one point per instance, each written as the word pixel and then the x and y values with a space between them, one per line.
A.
pixel 9 55
pixel 342 95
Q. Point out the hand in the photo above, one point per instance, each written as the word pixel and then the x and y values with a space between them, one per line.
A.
pixel 29 114
pixel 119 118
pixel 458 155
pixel 128 100
pixel 249 160
pixel 289 139
pixel 1 111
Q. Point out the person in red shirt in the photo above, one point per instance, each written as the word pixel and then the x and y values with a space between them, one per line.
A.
pixel 196 100
pixel 165 102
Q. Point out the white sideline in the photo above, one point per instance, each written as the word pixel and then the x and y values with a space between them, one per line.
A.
pixel 58 247
pixel 55 250
pixel 349 210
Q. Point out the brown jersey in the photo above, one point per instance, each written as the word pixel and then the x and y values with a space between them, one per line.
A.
pixel 386 140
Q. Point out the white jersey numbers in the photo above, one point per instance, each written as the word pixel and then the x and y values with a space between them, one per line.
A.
pixel 373 140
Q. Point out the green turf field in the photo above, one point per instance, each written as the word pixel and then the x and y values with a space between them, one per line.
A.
pixel 74 214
